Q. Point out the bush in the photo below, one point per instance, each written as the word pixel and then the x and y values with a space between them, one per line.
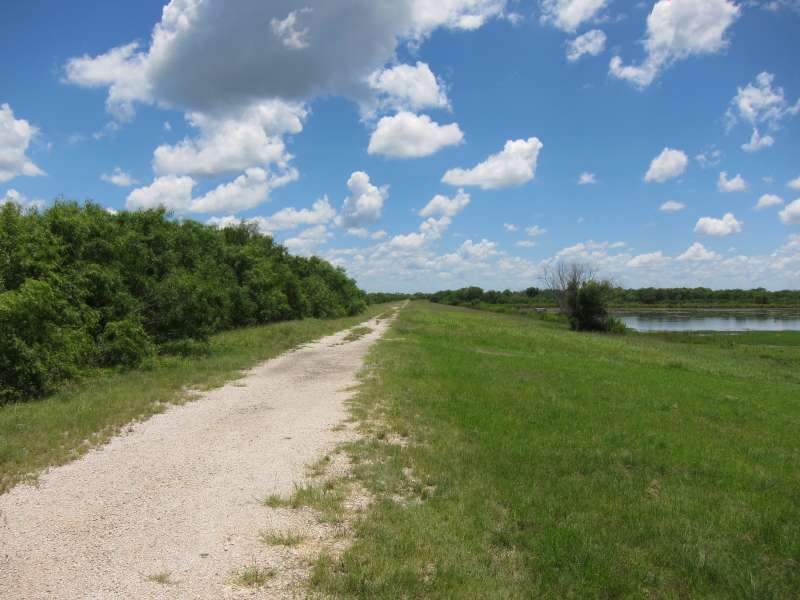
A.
pixel 43 340
pixel 125 343
pixel 80 287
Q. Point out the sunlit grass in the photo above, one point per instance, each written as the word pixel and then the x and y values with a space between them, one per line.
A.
pixel 551 464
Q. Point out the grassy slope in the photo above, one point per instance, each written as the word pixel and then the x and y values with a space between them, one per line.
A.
pixel 38 434
pixel 561 465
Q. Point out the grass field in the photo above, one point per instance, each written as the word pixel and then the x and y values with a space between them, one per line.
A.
pixel 549 464
pixel 54 430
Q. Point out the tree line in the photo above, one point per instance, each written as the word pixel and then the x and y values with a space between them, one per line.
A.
pixel 618 296
pixel 81 287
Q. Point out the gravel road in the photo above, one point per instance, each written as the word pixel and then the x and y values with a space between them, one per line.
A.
pixel 179 492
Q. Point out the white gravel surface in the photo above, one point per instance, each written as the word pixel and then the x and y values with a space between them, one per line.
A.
pixel 179 492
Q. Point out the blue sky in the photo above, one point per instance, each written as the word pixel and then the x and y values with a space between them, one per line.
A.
pixel 427 144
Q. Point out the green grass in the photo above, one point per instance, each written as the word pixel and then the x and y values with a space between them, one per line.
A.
pixel 274 538
pixel 54 430
pixel 357 333
pixel 253 576
pixel 551 464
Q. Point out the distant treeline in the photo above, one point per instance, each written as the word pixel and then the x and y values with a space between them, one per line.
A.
pixel 382 297
pixel 80 287
pixel 472 296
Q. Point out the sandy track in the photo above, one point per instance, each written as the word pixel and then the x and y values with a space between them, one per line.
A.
pixel 179 492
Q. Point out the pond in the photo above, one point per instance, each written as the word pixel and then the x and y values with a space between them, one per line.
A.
pixel 712 320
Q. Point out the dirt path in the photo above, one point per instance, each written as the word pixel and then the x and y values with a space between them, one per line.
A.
pixel 179 493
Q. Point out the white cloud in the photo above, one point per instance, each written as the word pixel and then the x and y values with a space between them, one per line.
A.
pixel 446 207
pixel 321 212
pixel 406 87
pixel 365 204
pixel 592 43
pixel 230 144
pixel 709 159
pixel 667 165
pixel 651 259
pixel 727 225
pixel 587 179
pixel 760 103
pixel 119 178
pixel 406 135
pixel 15 137
pixel 535 231
pixel 286 30
pixel 479 250
pixel 678 29
pixel 698 253
pixel 791 214
pixel 309 240
pixel 246 191
pixel 525 244
pixel 768 200
pixel 735 184
pixel 204 57
pixel 510 227
pixel 672 206
pixel 568 15
pixel 515 165
pixel 172 192
pixel 15 197
pixel 794 183
pixel 757 142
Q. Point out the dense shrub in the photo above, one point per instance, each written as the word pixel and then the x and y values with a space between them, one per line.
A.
pixel 80 287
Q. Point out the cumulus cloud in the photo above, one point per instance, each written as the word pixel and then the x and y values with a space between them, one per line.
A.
pixel 727 225
pixel 246 191
pixel 794 183
pixel 667 165
pixel 760 103
pixel 757 142
pixel 233 143
pixel 171 191
pixel 406 87
pixel 709 158
pixel 525 244
pixel 288 30
pixel 514 165
pixel 15 137
pixel 735 184
pixel 672 206
pixel 119 178
pixel 768 200
pixel 568 15
pixel 535 231
pixel 587 179
pixel 205 57
pixel 365 203
pixel 14 197
pixel 698 253
pixel 309 240
pixel 592 43
pixel 651 259
pixel 676 30
pixel 510 227
pixel 321 212
pixel 791 214
pixel 443 206
pixel 406 135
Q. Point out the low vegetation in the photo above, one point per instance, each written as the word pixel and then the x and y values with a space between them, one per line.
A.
pixel 82 288
pixel 253 576
pixel 88 411
pixel 541 463
pixel 274 538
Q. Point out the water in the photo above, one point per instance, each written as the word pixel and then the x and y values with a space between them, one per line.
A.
pixel 712 320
